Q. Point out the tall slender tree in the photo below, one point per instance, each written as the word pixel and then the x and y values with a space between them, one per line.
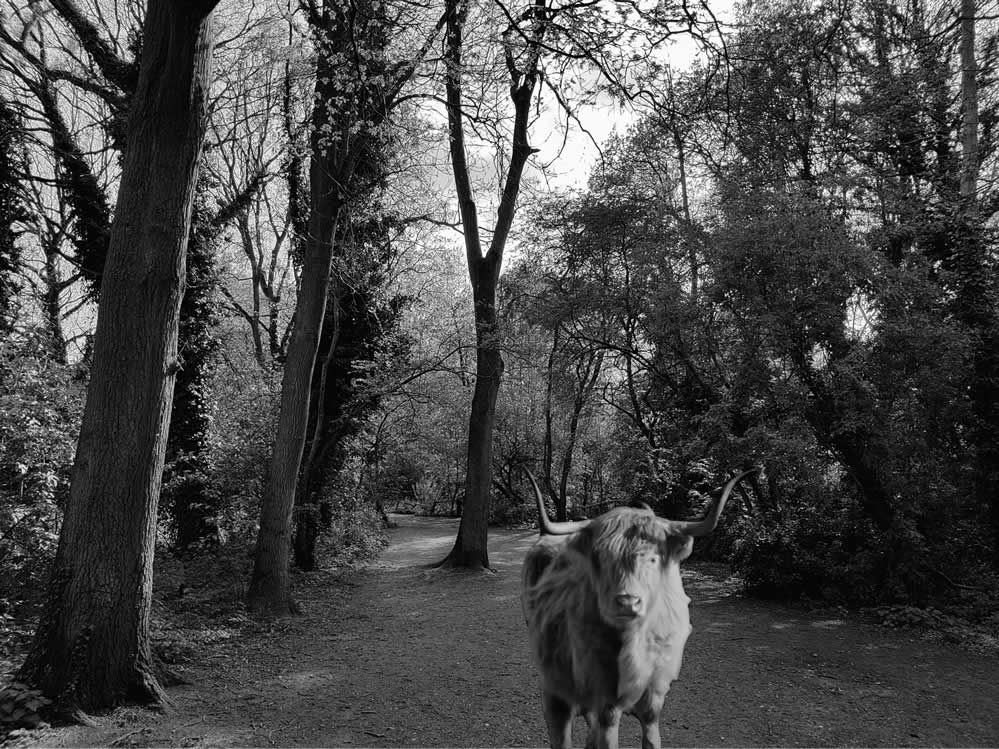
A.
pixel 522 52
pixel 356 88
pixel 92 649
pixel 976 298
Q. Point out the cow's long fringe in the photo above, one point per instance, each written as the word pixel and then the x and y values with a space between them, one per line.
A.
pixel 620 532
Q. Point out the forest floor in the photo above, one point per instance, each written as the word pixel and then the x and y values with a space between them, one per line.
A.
pixel 397 654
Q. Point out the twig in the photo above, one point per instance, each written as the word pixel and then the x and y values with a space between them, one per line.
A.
pixel 935 571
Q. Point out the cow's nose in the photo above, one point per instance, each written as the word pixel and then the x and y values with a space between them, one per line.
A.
pixel 628 604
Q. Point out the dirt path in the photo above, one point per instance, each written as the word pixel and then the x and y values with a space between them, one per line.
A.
pixel 399 655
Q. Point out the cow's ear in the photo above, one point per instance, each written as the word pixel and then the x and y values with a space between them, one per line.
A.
pixel 582 541
pixel 679 547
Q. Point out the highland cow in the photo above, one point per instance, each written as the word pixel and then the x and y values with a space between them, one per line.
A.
pixel 607 616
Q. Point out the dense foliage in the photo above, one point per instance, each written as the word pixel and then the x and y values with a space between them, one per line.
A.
pixel 41 402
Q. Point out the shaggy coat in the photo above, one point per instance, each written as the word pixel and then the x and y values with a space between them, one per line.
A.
pixel 607 619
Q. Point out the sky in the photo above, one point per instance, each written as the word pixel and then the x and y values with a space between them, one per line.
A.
pixel 571 167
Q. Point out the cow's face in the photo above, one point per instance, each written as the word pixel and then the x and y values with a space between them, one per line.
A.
pixel 633 561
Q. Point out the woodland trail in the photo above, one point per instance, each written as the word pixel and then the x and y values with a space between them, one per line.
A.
pixel 397 654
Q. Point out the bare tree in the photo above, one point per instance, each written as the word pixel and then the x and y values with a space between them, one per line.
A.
pixel 522 54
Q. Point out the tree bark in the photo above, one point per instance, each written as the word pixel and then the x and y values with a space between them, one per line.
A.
pixel 549 448
pixel 586 380
pixel 307 501
pixel 91 649
pixel 969 111
pixel 270 586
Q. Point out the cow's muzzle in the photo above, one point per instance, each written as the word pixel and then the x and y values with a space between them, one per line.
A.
pixel 627 606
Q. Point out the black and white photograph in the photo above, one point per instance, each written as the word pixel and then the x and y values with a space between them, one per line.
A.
pixel 499 373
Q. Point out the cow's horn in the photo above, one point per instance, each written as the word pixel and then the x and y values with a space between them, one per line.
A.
pixel 550 527
pixel 705 525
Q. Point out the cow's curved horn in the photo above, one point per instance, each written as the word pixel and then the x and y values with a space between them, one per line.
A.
pixel 705 525
pixel 550 527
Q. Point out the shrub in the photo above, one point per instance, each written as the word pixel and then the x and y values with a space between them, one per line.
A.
pixel 242 432
pixel 42 405
pixel 20 707
pixel 354 529
pixel 812 555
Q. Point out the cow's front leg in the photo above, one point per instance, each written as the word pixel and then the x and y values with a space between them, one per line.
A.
pixel 604 725
pixel 647 711
pixel 558 716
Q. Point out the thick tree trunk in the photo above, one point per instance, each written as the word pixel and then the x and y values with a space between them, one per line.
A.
pixel 91 649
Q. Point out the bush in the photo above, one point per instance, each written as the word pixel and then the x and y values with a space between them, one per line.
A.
pixel 810 555
pixel 244 422
pixel 42 404
pixel 353 529
pixel 20 707
pixel 831 552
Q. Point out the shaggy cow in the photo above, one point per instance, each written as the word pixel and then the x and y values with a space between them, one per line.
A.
pixel 607 616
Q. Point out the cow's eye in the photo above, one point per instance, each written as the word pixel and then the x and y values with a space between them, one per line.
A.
pixel 653 559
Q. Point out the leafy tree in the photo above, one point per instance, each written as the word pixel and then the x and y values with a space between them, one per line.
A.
pixel 88 204
pixel 356 88
pixel 42 402
pixel 111 81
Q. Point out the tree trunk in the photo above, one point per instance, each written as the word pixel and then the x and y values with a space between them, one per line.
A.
pixel 852 448
pixel 470 547
pixel 586 379
pixel 345 117
pixel 270 586
pixel 12 212
pixel 306 499
pixel 969 111
pixel 549 448
pixel 91 649
pixel 975 305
